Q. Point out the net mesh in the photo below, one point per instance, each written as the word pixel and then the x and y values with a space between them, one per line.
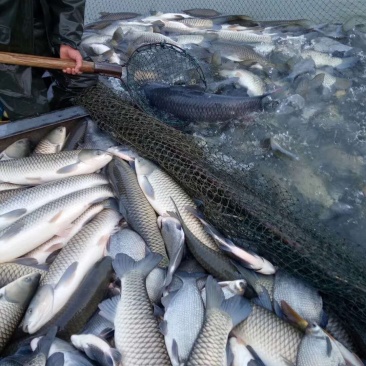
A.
pixel 244 205
pixel 315 10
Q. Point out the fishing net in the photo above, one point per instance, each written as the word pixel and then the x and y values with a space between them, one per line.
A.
pixel 315 10
pixel 244 205
pixel 157 62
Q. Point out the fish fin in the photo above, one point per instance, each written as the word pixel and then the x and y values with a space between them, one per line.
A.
pixel 26 261
pixel 103 240
pixel 118 35
pixel 329 346
pixel 95 353
pixel 168 298
pixel 108 308
pixel 214 294
pixel 110 203
pixel 116 356
pixel 317 81
pixel 67 276
pixel 68 169
pixel 229 355
pixel 323 319
pixel 237 307
pixel 292 316
pixel 175 353
pixel 258 361
pixel 158 311
pixel 263 300
pixel 278 310
pixel 56 359
pixel 123 264
pixel 45 343
pixel 14 214
pixel 66 231
pixel 12 230
pixel 53 256
pixel 163 327
pixel 146 187
pixel 347 62
pixel 106 333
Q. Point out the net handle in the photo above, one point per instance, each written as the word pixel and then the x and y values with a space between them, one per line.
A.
pixel 59 64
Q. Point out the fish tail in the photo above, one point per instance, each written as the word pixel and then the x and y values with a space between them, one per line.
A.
pixel 111 203
pixel 45 343
pixel 347 63
pixel 108 308
pixel 123 264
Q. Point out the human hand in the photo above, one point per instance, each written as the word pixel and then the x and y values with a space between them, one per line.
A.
pixel 67 52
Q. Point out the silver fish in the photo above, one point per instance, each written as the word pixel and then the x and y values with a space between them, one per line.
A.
pixel 335 82
pixel 42 224
pixel 252 82
pixel 33 198
pixel 69 268
pixel 40 168
pixel 241 354
pixel 9 186
pixel 18 149
pixel 242 36
pixel 53 142
pixel 183 310
pixel 14 299
pixel 316 348
pixel 135 208
pixel 323 59
pixel 137 334
pixel 9 272
pixel 47 252
pixel 173 235
pixel 10 193
pixel 97 349
pixel 98 325
pixel 154 284
pixel 221 316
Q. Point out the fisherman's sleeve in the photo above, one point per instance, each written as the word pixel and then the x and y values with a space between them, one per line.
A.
pixel 67 22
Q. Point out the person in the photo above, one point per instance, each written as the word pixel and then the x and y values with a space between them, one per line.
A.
pixel 51 28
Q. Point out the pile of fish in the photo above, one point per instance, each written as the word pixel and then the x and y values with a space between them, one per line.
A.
pixel 285 97
pixel 105 260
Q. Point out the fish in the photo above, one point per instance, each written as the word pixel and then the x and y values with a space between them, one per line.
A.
pixel 323 59
pixel 155 281
pixel 18 149
pixel 270 143
pixel 127 241
pixel 83 303
pixel 14 299
pixel 10 193
pixel 165 16
pixel 46 252
pixel 247 79
pixel 229 288
pixel 173 235
pixel 240 53
pixel 9 272
pixel 69 268
pixel 207 23
pixel 198 106
pixel 275 341
pixel 41 168
pixel 117 16
pixel 247 259
pixel 171 26
pixel 96 139
pixel 183 310
pixel 335 82
pixel 197 12
pixel 33 198
pixel 97 349
pixel 247 36
pixel 137 337
pixel 317 348
pixel 54 218
pixel 328 45
pixel 221 316
pixel 52 143
pixel 190 265
pixel 135 207
pixel 75 135
pixel 62 353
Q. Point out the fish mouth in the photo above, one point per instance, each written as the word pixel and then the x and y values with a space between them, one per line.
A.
pixel 25 328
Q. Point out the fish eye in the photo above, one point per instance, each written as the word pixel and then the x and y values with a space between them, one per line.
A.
pixel 30 311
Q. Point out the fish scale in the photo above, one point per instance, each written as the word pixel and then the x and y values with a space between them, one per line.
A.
pixel 137 335
pixel 273 339
pixel 5 195
pixel 42 168
pixel 9 272
pixel 213 335
pixel 10 315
